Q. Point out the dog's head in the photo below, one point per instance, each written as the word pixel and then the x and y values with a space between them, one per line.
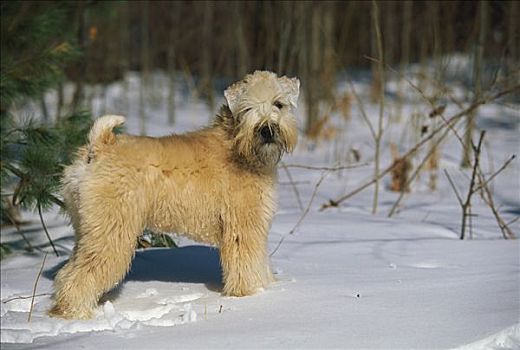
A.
pixel 263 127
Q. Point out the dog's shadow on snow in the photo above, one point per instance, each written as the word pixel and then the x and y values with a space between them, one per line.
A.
pixel 189 264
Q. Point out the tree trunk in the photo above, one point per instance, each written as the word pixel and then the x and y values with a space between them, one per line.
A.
pixel 405 55
pixel 242 52
pixel 172 48
pixel 312 62
pixel 124 49
pixel 207 56
pixel 79 93
pixel 286 24
pixel 145 66
pixel 513 61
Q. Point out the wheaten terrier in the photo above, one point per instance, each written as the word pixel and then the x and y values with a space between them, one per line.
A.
pixel 216 185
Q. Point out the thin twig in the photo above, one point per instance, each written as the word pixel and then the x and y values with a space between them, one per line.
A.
pixel 304 214
pixel 362 109
pixel 488 180
pixel 513 221
pixel 24 297
pixel 45 229
pixel 293 184
pixel 285 183
pixel 491 162
pixel 459 198
pixel 507 233
pixel 35 286
pixel 324 168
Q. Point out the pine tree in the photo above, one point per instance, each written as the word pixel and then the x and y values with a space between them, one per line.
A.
pixel 36 44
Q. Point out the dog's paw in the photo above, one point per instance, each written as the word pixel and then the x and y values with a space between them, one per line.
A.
pixel 58 311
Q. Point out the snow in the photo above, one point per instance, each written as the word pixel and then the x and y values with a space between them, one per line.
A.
pixel 345 279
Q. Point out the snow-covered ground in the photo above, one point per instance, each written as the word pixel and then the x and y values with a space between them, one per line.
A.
pixel 346 278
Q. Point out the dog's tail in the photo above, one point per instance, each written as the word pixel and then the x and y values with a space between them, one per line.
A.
pixel 101 132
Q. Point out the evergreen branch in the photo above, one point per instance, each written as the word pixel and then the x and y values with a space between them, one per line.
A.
pixel 57 201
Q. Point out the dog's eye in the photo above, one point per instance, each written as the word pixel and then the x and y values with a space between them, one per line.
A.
pixel 278 105
pixel 247 110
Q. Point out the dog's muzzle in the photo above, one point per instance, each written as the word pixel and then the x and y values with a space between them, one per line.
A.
pixel 267 133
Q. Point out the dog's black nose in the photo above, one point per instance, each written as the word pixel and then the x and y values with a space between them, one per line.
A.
pixel 267 134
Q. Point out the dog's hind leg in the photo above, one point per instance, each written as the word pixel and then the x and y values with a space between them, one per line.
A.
pixel 70 193
pixel 101 258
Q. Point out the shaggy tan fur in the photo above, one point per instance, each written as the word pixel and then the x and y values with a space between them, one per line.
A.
pixel 216 185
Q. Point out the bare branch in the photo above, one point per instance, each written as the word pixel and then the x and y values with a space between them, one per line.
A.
pixel 295 189
pixel 323 168
pixel 513 221
pixel 507 233
pixel 24 297
pixel 452 120
pixel 304 214
pixel 466 206
pixel 492 177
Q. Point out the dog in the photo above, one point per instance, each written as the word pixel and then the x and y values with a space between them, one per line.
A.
pixel 216 185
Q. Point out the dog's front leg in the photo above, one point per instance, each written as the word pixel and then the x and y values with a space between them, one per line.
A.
pixel 244 259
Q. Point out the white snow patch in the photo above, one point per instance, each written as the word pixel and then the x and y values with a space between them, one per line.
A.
pixel 507 339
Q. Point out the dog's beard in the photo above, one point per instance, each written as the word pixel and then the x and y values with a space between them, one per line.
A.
pixel 255 152
pixel 268 154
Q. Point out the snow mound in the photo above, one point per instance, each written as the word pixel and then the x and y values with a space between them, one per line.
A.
pixel 506 339
pixel 132 308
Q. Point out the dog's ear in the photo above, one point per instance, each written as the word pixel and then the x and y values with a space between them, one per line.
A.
pixel 292 87
pixel 233 94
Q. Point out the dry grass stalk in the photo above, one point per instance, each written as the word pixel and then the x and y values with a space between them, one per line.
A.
pixel 400 171
pixel 381 80
pixel 344 106
pixel 36 286
pixel 322 130
pixel 432 165
pixel 416 173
